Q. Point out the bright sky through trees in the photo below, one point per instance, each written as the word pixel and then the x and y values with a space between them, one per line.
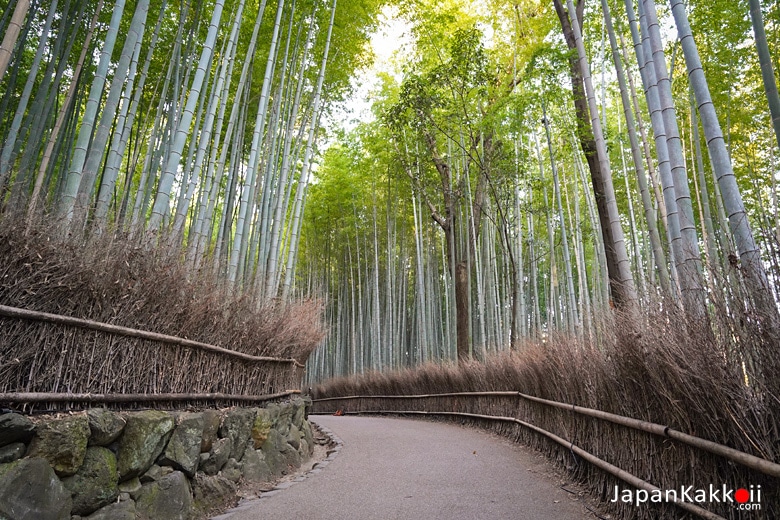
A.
pixel 467 163
pixel 475 179
pixel 390 45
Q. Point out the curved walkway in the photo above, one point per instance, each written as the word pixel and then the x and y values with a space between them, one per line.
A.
pixel 405 469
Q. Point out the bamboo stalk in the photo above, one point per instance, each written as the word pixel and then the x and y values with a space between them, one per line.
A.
pixel 15 312
pixel 12 33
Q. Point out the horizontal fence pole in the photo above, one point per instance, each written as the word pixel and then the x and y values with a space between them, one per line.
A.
pixel 15 312
pixel 751 461
pixel 596 461
pixel 43 397
pixel 420 396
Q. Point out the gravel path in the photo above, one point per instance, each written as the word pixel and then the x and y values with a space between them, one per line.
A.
pixel 404 469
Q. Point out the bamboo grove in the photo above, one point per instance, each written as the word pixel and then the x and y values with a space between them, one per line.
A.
pixel 529 173
pixel 531 168
pixel 192 124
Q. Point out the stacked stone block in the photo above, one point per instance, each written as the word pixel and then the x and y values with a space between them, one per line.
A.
pixel 151 464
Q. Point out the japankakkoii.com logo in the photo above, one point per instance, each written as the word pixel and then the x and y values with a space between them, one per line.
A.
pixel 743 499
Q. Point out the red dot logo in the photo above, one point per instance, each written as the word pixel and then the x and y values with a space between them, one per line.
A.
pixel 741 495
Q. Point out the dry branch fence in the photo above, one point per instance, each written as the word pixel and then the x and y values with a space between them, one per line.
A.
pixel 84 361
pixel 737 468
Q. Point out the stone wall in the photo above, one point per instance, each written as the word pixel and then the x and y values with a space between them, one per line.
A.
pixel 151 464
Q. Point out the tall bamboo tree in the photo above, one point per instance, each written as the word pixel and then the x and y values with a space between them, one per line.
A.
pixel 752 266
pixel 161 206
pixel 12 33
pixel 767 69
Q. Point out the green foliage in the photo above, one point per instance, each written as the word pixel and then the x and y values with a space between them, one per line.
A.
pixel 452 140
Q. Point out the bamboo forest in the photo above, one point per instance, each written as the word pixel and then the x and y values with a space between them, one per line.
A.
pixel 556 220
pixel 491 173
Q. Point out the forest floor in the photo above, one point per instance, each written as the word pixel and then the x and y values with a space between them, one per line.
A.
pixel 390 468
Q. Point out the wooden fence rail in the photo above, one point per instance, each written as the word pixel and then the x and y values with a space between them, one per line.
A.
pixel 15 312
pixel 596 461
pixel 751 461
pixel 747 460
pixel 47 397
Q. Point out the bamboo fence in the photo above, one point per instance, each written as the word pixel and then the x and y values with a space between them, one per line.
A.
pixel 64 361
pixel 699 452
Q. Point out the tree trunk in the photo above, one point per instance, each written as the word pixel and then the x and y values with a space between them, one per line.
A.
pixel 704 203
pixel 652 173
pixel 97 148
pixel 11 34
pixel 687 252
pixel 767 71
pixel 636 154
pixel 67 203
pixel 618 265
pixel 571 309
pixel 125 123
pixel 462 310
pixel 204 222
pixel 10 144
pixel 239 241
pixel 752 267
pixel 647 71
pixel 161 208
